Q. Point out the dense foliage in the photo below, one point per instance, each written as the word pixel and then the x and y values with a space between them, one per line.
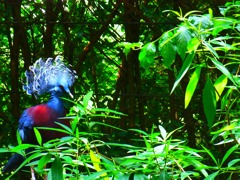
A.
pixel 157 95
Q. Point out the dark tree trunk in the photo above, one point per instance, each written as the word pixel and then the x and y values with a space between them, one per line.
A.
pixel 14 45
pixel 51 17
pixel 132 29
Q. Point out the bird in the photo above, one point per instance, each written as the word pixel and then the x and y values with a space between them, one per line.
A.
pixel 49 76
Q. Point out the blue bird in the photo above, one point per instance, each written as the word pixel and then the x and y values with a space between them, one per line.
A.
pixel 51 76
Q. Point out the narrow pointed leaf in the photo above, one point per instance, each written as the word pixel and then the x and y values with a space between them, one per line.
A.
pixel 212 176
pixel 209 102
pixel 219 85
pixel 96 163
pixel 56 172
pixel 223 69
pixel 163 132
pixel 86 99
pixel 187 63
pixel 192 86
pixel 210 48
pixel 228 153
pixel 43 161
pixel 38 136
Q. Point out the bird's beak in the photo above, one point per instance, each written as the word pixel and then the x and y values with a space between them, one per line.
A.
pixel 70 94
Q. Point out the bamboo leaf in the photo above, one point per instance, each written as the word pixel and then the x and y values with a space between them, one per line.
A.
pixel 228 153
pixel 96 163
pixel 187 63
pixel 86 99
pixel 209 102
pixel 192 86
pixel 43 161
pixel 38 136
pixel 210 48
pixel 163 132
pixel 223 69
pixel 56 172
pixel 219 85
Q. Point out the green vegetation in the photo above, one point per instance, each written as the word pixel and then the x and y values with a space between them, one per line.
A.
pixel 159 103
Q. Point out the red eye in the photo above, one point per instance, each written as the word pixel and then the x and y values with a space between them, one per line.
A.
pixel 61 87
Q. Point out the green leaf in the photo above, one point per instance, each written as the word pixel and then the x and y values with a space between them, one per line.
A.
pixel 164 175
pixel 163 132
pixel 183 38
pixel 56 171
pixel 210 48
pixel 234 161
pixel 21 147
pixel 211 155
pixel 86 99
pixel 129 46
pixel 220 24
pixel 139 176
pixel 43 161
pixel 192 85
pixel 228 153
pixel 225 99
pixel 4 150
pixel 193 44
pixel 187 63
pixel 167 49
pixel 212 176
pixel 209 102
pixel 38 136
pixel 146 55
pixel 223 69
pixel 219 85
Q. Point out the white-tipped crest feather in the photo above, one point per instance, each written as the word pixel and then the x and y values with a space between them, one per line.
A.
pixel 45 76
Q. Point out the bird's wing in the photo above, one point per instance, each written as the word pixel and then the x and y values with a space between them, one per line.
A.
pixel 25 127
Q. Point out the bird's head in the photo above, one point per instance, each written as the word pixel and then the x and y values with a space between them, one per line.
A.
pixel 49 76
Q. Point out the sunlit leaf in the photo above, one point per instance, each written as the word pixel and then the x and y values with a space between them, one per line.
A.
pixel 193 44
pixel 87 98
pixel 96 163
pixel 146 55
pixel 163 132
pixel 219 85
pixel 129 46
pixel 38 136
pixel 192 86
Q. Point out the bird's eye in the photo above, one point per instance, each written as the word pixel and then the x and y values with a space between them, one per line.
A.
pixel 61 87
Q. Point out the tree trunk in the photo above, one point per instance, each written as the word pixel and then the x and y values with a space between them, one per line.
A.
pixel 132 29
